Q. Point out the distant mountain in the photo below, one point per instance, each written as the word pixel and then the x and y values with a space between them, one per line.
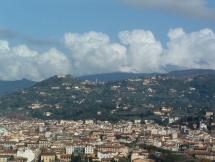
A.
pixel 7 87
pixel 191 73
pixel 116 76
pixel 66 97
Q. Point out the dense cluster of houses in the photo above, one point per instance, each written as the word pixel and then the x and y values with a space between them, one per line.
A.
pixel 52 140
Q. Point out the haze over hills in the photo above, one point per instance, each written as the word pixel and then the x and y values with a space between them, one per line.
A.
pixel 66 97
pixel 111 76
pixel 191 73
pixel 7 87
pixel 123 75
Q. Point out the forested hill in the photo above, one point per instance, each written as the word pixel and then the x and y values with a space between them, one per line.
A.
pixel 66 97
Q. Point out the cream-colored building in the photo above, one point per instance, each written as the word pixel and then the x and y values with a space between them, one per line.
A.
pixel 48 157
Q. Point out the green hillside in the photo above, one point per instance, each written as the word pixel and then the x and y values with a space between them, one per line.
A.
pixel 65 97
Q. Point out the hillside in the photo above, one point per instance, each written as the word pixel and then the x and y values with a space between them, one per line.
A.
pixel 111 76
pixel 118 76
pixel 70 98
pixel 191 73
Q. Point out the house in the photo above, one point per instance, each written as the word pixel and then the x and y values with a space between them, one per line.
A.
pixel 209 114
pixel 202 154
pixel 89 150
pixel 5 158
pixel 141 160
pixel 48 157
pixel 105 155
pixel 137 121
pixel 8 144
pixel 26 153
pixel 18 159
pixel 36 106
pixel 44 143
pixel 90 122
pixel 113 148
pixel 65 158
pixel 77 149
pixel 139 154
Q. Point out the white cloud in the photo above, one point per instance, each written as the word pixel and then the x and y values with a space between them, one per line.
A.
pixel 21 62
pixel 143 50
pixel 176 33
pixel 197 8
pixel 191 50
pixel 4 46
pixel 93 52
pixel 140 51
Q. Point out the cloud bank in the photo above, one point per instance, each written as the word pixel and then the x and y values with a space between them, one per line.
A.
pixel 94 52
pixel 196 8
pixel 21 62
pixel 191 50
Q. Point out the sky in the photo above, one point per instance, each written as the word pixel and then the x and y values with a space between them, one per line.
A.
pixel 42 38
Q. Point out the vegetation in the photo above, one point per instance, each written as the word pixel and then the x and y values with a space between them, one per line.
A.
pixel 70 98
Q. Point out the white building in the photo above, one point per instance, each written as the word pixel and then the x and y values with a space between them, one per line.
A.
pixel 26 153
pixel 89 150
pixel 105 155
pixel 70 149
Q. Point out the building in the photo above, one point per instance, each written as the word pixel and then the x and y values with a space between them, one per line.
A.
pixel 139 154
pixel 26 153
pixel 48 157
pixel 89 150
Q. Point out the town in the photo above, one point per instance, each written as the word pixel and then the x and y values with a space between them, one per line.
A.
pixel 107 81
pixel 89 140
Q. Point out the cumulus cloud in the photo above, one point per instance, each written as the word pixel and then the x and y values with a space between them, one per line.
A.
pixel 197 8
pixel 140 51
pixel 144 52
pixel 191 50
pixel 93 52
pixel 22 62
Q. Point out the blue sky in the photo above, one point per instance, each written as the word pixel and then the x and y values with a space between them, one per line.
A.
pixel 41 38
pixel 52 18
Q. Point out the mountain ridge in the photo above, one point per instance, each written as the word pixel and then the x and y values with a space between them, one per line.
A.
pixel 67 97
pixel 7 87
